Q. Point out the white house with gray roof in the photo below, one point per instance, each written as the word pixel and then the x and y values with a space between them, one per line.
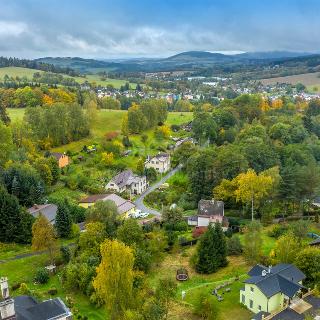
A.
pixel 160 162
pixel 128 181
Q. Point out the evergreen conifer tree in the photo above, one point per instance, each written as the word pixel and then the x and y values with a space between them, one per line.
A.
pixel 212 250
pixel 63 221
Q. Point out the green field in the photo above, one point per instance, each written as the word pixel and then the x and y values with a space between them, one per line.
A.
pixel 17 71
pixel 26 72
pixel 107 120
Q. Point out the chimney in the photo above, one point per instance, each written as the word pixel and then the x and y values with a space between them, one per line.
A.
pixel 264 273
pixel 4 287
pixel 269 269
pixel 6 304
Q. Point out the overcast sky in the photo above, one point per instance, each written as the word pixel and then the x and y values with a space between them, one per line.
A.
pixel 150 28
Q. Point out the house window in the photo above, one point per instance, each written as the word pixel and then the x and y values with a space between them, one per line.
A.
pixel 243 299
pixel 251 304
pixel 259 307
pixel 251 289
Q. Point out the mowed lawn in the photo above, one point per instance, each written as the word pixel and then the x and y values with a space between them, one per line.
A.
pixel 229 308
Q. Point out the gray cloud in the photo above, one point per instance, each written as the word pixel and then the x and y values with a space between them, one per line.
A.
pixel 33 28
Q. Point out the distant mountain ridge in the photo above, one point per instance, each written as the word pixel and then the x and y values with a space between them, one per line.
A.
pixel 187 61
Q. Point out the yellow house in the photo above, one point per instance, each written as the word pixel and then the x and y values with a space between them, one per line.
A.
pixel 271 288
pixel 125 207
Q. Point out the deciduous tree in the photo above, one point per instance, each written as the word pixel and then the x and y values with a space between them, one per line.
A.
pixel 115 275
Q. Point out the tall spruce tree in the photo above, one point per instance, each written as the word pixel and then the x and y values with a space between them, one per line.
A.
pixel 15 224
pixel 63 221
pixel 212 250
pixel 221 246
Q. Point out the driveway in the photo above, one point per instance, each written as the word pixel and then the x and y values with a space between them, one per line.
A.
pixel 139 201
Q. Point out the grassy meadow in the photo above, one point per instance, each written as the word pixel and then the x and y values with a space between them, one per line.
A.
pixel 109 120
pixel 92 78
pixel 310 80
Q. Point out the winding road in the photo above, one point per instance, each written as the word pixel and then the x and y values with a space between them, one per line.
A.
pixel 139 201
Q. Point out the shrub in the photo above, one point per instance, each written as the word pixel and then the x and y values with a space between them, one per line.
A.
pixel 52 291
pixel 234 246
pixel 42 276
pixel 111 135
pixel 205 306
pixel 15 286
pixel 198 231
pixel 65 254
pixel 278 230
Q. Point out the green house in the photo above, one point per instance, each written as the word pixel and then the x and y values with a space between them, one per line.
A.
pixel 271 288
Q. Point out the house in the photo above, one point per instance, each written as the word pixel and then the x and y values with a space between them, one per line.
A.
pixel 271 288
pixel 48 210
pixel 128 181
pixel 209 211
pixel 27 308
pixel 125 207
pixel 182 141
pixel 160 162
pixel 62 158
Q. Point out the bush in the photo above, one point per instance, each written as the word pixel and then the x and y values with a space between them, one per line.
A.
pixel 42 276
pixel 15 286
pixel 65 254
pixel 198 231
pixel 278 230
pixel 205 306
pixel 52 291
pixel 234 246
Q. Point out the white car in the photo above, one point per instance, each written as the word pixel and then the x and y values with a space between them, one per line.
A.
pixel 136 214
pixel 144 215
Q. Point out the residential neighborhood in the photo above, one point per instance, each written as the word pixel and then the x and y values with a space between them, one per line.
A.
pixel 160 160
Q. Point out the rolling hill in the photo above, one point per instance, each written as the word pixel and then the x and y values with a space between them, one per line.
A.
pixel 190 61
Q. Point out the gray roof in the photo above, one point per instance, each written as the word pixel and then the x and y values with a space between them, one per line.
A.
pixel 123 205
pixel 27 308
pixel 125 178
pixel 48 210
pixel 162 157
pixel 283 278
pixel 258 316
pixel 211 208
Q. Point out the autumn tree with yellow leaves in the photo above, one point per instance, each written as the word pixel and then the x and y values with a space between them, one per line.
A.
pixel 43 237
pixel 115 275
pixel 246 187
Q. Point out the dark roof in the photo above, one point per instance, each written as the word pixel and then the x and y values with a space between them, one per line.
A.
pixel 57 155
pixel 28 308
pixel 288 314
pixel 258 316
pixel 315 242
pixel 283 278
pixel 257 270
pixel 211 208
pixel 48 210
pixel 122 178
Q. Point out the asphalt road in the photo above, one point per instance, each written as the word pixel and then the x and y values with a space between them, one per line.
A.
pixel 139 201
